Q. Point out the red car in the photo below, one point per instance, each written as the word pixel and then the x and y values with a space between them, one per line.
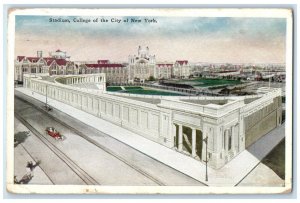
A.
pixel 54 133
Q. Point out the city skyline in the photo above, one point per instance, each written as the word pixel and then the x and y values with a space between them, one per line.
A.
pixel 215 40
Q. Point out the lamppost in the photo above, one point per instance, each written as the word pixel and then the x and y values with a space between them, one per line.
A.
pixel 206 160
pixel 46 97
pixel 46 105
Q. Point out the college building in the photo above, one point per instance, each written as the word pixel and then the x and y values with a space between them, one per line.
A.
pixel 141 66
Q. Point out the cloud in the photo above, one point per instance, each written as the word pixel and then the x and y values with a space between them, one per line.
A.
pixel 171 38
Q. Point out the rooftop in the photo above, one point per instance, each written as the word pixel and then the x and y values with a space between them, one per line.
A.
pixel 105 65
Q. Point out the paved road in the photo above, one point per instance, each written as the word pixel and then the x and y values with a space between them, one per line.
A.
pixel 105 159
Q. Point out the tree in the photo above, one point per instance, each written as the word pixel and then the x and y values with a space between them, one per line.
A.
pixel 151 78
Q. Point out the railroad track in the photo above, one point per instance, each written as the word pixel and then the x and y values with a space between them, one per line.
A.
pixel 89 180
pixel 102 147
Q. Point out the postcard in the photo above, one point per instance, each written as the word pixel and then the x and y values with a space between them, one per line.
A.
pixel 149 101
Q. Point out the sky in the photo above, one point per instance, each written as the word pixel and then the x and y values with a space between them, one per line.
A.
pixel 197 39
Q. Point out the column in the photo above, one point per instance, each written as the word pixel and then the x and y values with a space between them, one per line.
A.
pixel 193 142
pixel 174 134
pixel 180 137
pixel 232 139
pixel 226 140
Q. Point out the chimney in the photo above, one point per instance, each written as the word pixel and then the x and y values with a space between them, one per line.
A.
pixel 40 54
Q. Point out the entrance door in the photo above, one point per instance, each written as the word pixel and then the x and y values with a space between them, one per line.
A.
pixel 187 139
pixel 199 143
pixel 176 138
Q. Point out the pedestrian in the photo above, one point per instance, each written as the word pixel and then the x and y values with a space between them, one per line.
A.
pixel 29 168
pixel 30 165
pixel 16 180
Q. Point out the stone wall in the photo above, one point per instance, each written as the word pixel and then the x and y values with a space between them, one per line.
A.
pixel 262 121
pixel 143 118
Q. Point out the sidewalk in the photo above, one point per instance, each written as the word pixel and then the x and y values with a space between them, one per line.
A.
pixel 229 175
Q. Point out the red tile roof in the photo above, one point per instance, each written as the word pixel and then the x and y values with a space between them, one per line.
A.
pixel 163 65
pixel 109 65
pixel 20 58
pixel 183 62
pixel 49 61
pixel 61 62
pixel 33 59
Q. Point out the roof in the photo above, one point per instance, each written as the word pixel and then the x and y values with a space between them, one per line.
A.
pixel 49 60
pixel 182 62
pixel 58 50
pixel 108 65
pixel 164 64
pixel 33 59
pixel 20 58
pixel 61 62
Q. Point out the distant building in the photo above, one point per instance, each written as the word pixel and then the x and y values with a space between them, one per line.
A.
pixel 182 69
pixel 142 65
pixel 164 70
pixel 115 72
pixel 58 54
pixel 53 65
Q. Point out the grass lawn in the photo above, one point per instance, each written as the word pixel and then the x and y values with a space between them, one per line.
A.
pixel 113 88
pixel 133 88
pixel 276 159
pixel 153 92
pixel 141 90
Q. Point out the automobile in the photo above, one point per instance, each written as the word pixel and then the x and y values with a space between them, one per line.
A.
pixel 54 133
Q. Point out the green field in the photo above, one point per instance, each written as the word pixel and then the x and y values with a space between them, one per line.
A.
pixel 113 88
pixel 204 82
pixel 141 90
pixel 129 88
